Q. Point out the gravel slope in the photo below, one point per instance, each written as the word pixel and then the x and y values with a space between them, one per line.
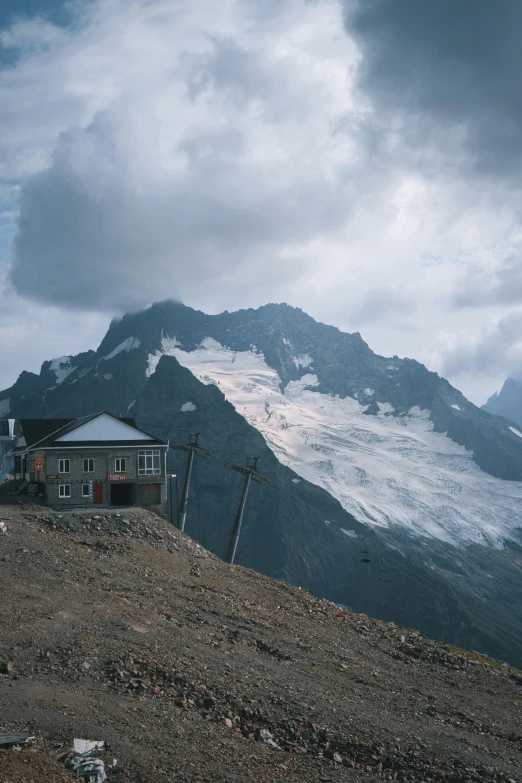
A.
pixel 120 628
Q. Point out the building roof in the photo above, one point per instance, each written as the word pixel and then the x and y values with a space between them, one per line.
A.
pixel 50 433
pixel 35 430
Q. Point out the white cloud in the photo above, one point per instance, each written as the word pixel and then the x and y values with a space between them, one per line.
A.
pixel 221 153
pixel 32 333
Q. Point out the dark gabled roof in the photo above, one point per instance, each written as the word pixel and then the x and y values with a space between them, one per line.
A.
pixel 34 430
pixel 44 432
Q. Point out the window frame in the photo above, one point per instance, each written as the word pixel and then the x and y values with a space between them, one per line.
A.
pixel 152 455
pixel 64 460
pixel 88 491
pixel 120 460
pixel 88 460
pixel 61 495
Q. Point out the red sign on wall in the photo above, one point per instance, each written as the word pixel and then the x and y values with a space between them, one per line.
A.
pixel 117 477
pixel 39 461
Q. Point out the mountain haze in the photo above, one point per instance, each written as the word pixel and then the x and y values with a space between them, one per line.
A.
pixel 508 401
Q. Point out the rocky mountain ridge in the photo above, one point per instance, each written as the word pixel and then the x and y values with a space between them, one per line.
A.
pixel 343 363
pixel 296 528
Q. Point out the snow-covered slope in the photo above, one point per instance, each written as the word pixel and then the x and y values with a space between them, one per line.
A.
pixel 385 470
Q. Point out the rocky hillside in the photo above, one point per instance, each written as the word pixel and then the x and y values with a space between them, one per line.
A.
pixel 351 444
pixel 119 628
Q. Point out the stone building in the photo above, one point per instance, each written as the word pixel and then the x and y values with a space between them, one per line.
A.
pixel 98 460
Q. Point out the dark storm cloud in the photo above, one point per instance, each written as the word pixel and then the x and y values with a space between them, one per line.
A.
pixel 208 169
pixel 106 227
pixel 446 64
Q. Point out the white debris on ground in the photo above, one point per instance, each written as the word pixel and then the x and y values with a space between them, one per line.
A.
pixel 86 761
pixel 86 746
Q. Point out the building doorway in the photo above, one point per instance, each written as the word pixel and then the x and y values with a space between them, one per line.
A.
pixel 123 494
pixel 97 494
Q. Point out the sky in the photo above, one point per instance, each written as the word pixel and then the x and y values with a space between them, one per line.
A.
pixel 358 159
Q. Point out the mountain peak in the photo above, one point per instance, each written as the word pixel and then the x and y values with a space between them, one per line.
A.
pixel 356 445
pixel 508 401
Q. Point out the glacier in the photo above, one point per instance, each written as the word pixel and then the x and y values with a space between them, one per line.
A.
pixel 384 469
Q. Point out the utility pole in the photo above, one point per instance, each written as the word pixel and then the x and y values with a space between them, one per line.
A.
pixel 192 448
pixel 249 471
pixel 170 495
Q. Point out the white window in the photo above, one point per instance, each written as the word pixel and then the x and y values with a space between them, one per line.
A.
pixel 149 462
pixel 85 491
pixel 64 466
pixel 88 466
pixel 120 465
pixel 64 490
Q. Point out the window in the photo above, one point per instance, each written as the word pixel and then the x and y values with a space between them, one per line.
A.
pixel 86 491
pixel 88 465
pixel 64 466
pixel 149 462
pixel 120 465
pixel 64 490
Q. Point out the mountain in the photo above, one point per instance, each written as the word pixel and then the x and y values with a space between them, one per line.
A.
pixel 507 402
pixel 358 448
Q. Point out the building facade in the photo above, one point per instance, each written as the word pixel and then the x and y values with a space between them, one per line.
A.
pixel 98 460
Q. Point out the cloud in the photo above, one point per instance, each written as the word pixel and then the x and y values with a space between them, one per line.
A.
pixel 383 301
pixel 497 351
pixel 32 333
pixel 250 151
pixel 501 285
pixel 446 71
pixel 208 165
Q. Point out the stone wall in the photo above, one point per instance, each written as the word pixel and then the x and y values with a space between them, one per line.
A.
pixel 153 492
